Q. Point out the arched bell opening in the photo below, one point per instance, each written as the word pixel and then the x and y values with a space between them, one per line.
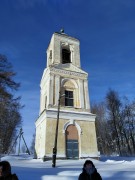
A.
pixel 66 56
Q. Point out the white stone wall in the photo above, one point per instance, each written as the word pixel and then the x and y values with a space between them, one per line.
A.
pixel 40 138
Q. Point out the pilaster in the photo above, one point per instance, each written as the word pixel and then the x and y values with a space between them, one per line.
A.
pixel 86 95
pixel 81 93
pixel 57 88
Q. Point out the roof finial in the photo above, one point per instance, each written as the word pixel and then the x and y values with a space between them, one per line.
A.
pixel 62 30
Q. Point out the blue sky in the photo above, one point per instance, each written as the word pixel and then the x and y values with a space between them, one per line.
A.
pixel 105 28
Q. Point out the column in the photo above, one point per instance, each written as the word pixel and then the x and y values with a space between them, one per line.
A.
pixel 81 92
pixel 57 89
pixel 86 94
pixel 51 89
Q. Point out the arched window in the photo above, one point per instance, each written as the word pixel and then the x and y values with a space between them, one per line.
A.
pixel 69 88
pixel 66 56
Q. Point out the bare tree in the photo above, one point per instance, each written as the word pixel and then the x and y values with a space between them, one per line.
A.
pixel 114 115
pixel 115 125
pixel 129 125
pixel 10 117
pixel 102 129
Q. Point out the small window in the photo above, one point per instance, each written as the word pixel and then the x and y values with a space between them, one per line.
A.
pixel 69 101
pixel 50 56
pixel 65 56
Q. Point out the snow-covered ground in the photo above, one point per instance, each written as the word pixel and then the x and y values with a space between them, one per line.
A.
pixel 110 168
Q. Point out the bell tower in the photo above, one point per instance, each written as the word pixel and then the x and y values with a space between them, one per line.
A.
pixel 63 75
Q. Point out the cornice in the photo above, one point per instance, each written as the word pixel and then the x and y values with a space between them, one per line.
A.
pixel 67 72
pixel 69 115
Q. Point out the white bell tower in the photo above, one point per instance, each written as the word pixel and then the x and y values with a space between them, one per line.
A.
pixel 76 132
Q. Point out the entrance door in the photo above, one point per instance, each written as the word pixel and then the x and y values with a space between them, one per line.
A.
pixel 72 151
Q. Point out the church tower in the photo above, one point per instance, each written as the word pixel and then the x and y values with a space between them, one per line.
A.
pixel 64 81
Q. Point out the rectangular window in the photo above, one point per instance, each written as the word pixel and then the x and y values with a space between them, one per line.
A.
pixel 69 101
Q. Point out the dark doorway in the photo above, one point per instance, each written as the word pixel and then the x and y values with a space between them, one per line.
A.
pixel 72 151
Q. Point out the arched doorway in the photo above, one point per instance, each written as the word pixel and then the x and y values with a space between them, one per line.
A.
pixel 72 151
